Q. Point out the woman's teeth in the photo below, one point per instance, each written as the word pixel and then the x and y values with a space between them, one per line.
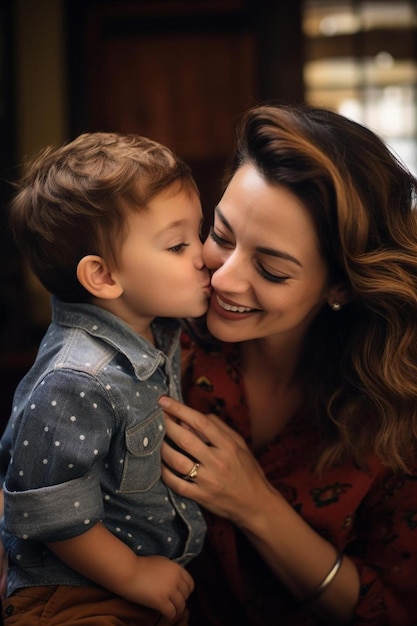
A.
pixel 232 307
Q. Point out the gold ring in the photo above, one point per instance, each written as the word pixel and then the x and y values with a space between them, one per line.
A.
pixel 193 472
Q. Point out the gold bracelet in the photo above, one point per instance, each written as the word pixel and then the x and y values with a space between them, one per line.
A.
pixel 327 580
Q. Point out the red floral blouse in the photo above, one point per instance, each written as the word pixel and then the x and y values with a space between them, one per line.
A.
pixel 369 515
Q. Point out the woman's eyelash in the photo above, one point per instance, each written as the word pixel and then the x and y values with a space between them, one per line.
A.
pixel 273 278
pixel 219 240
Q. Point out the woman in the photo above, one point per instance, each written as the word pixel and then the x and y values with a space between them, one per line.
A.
pixel 306 463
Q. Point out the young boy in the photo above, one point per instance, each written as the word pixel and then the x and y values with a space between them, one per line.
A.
pixel 110 224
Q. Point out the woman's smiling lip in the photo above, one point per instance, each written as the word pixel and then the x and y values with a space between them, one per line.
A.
pixel 229 310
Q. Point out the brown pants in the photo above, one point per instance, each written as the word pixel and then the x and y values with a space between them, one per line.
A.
pixel 78 606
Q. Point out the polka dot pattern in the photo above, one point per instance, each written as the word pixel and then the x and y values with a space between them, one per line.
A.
pixel 89 437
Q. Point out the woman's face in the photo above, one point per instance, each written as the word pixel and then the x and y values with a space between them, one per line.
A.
pixel 269 279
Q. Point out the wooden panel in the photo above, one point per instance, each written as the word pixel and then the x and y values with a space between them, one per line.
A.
pixel 183 90
pixel 178 72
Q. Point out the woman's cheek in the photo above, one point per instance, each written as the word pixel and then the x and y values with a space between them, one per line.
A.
pixel 209 254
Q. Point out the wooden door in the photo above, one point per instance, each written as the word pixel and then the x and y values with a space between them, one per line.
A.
pixel 178 72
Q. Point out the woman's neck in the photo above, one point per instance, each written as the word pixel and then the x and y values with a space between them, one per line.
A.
pixel 270 360
pixel 273 393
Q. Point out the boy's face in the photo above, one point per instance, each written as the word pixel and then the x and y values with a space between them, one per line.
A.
pixel 160 266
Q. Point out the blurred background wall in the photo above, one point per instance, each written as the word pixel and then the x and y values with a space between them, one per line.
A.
pixel 181 72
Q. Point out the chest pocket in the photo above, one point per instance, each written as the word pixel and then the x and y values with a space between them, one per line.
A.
pixel 142 463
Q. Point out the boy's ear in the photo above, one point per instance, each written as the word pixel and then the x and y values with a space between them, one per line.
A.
pixel 95 276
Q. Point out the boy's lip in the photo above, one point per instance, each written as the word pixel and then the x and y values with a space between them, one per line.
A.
pixel 207 287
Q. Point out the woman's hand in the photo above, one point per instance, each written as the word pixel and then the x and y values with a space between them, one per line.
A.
pixel 229 481
pixel 231 484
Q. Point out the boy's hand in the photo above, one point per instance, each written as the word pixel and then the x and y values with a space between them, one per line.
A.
pixel 153 581
pixel 3 555
pixel 3 571
pixel 160 584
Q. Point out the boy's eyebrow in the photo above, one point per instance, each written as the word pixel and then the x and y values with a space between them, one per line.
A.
pixel 170 226
pixel 176 224
pixel 261 249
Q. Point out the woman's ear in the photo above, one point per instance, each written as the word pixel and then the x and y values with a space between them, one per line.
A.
pixel 95 276
pixel 338 296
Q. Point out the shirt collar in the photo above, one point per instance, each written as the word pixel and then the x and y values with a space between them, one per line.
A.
pixel 98 322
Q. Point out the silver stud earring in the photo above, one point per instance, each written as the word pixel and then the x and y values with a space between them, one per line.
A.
pixel 335 306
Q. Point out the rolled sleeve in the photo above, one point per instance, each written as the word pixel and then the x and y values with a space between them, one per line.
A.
pixel 54 513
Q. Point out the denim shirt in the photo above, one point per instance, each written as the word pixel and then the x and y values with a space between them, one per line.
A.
pixel 84 438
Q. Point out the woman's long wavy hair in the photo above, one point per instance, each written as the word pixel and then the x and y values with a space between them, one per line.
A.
pixel 359 365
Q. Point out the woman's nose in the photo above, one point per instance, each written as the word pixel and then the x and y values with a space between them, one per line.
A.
pixel 230 275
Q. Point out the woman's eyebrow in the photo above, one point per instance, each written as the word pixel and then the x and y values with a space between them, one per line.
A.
pixel 278 254
pixel 261 249
pixel 222 218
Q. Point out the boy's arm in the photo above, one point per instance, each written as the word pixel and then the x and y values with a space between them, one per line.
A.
pixel 153 581
pixel 3 555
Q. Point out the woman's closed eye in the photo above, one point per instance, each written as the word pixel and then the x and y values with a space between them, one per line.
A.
pixel 225 243
pixel 220 241
pixel 273 278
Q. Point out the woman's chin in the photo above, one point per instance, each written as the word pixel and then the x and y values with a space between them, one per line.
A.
pixel 221 329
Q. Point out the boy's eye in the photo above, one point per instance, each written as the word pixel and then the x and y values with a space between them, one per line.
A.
pixel 178 248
